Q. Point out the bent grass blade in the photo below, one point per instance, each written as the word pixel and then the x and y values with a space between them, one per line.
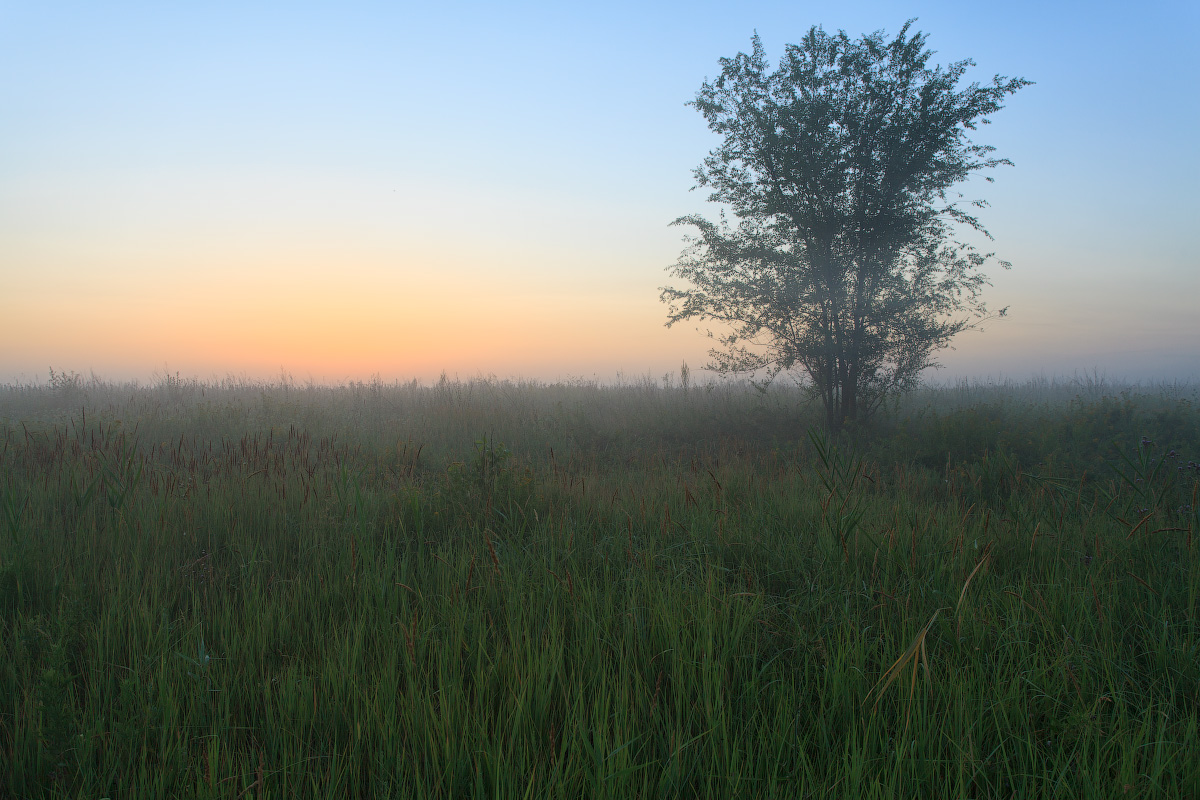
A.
pixel 919 656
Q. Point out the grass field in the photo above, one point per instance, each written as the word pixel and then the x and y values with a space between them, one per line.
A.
pixel 498 589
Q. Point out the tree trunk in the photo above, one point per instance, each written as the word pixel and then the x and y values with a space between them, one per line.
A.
pixel 850 397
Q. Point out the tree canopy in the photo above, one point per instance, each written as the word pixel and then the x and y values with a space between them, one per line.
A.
pixel 844 262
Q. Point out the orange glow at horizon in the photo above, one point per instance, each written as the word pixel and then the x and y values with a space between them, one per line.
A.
pixel 332 303
pixel 338 322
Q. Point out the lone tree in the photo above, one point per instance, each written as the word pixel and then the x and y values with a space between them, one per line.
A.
pixel 844 263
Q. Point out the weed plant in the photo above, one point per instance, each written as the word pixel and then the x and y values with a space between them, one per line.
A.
pixel 511 589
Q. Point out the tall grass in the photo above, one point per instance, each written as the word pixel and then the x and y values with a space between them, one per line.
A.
pixel 511 589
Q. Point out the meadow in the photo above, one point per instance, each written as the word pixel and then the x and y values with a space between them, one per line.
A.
pixel 504 589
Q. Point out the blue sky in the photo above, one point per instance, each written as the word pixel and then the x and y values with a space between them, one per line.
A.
pixel 342 190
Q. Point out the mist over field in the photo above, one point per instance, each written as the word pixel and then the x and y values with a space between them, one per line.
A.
pixel 488 587
pixel 672 400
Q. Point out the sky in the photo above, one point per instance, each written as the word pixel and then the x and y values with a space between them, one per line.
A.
pixel 341 190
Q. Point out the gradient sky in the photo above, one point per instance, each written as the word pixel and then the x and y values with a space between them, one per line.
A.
pixel 339 190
